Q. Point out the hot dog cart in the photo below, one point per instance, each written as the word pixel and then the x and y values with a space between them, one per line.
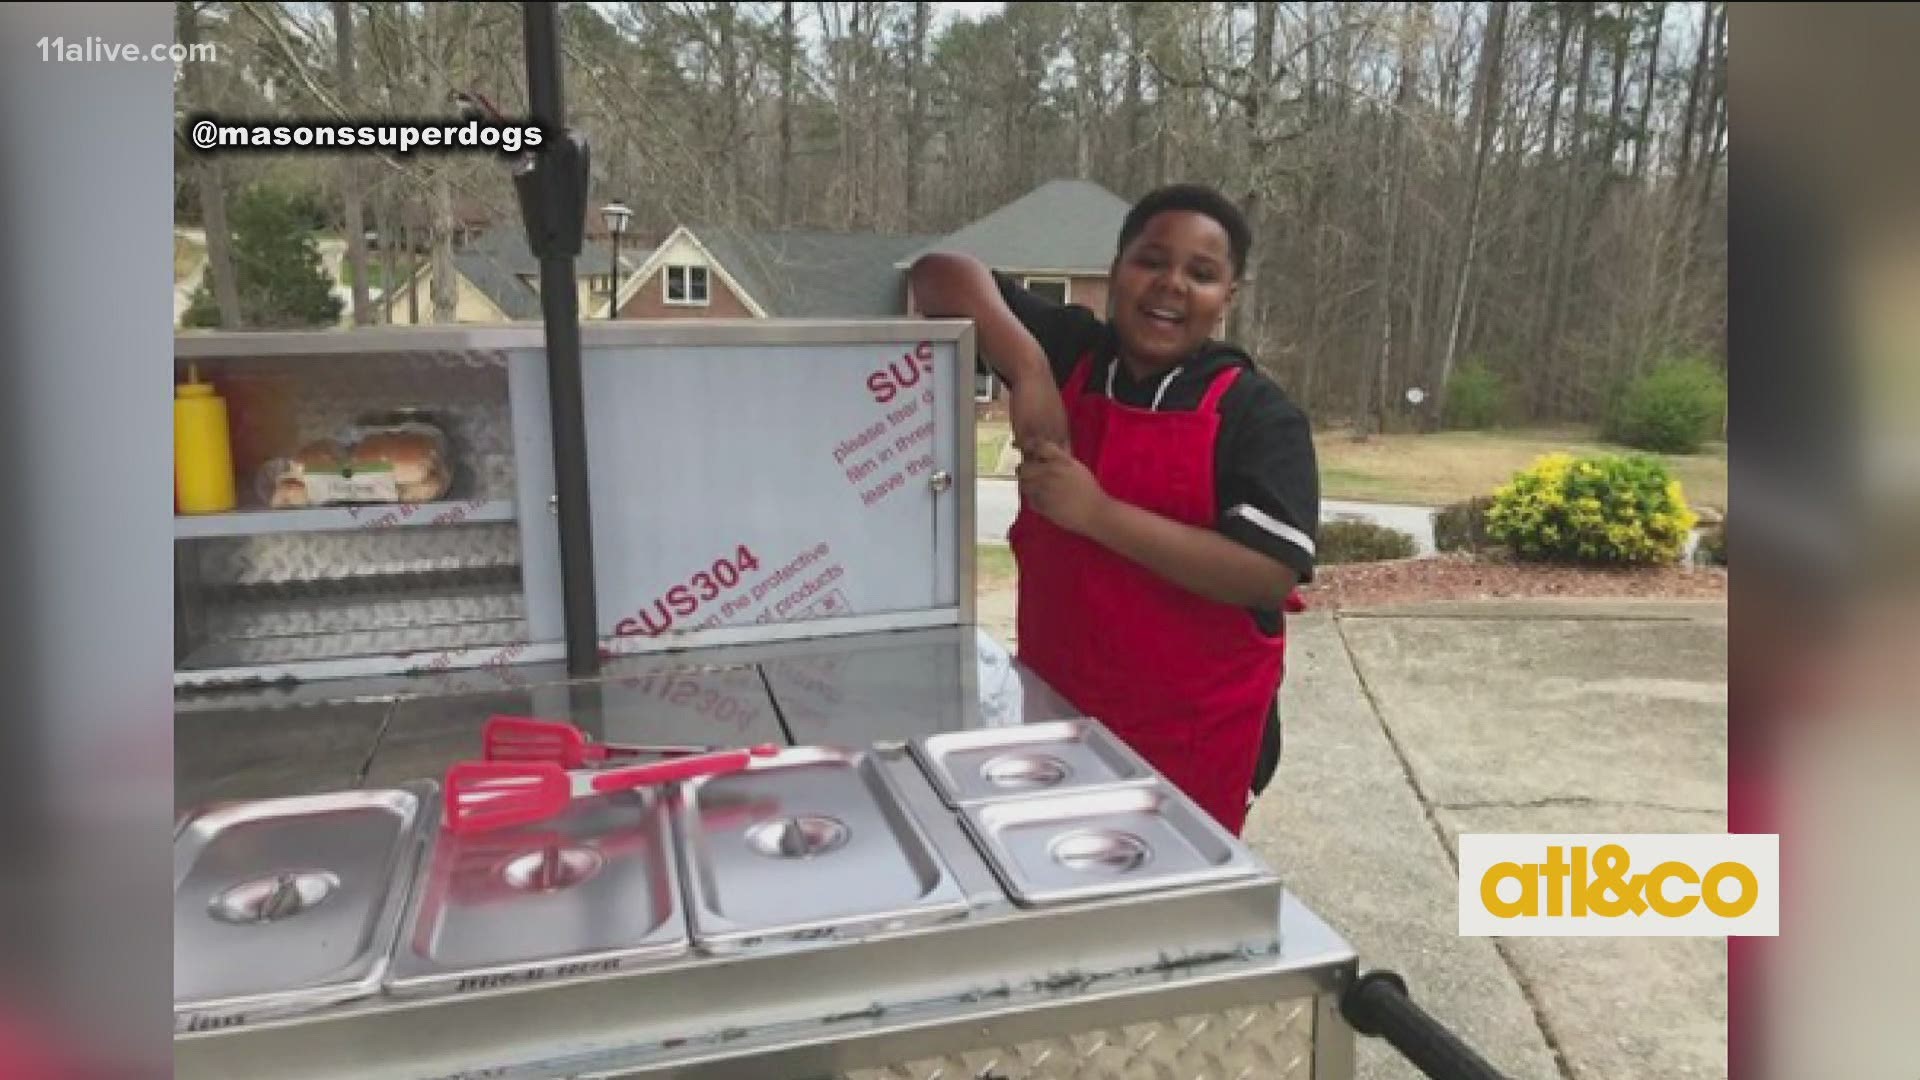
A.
pixel 939 869
pixel 672 536
pixel 834 910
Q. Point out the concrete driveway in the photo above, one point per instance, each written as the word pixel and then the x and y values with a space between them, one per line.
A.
pixel 1406 728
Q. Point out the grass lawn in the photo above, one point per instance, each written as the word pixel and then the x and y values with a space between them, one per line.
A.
pixel 1433 470
pixel 990 437
pixel 993 567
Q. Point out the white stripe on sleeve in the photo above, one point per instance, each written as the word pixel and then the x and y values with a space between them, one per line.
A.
pixel 1278 528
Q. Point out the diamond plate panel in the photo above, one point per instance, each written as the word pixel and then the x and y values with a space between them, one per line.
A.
pixel 425 639
pixel 275 404
pixel 1268 1042
pixel 336 610
pixel 313 558
pixel 324 596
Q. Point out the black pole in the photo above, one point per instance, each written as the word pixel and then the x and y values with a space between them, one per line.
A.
pixel 1377 1005
pixel 613 275
pixel 555 220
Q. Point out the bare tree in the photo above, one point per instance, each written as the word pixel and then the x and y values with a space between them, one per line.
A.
pixel 349 167
pixel 1684 162
pixel 1485 109
pixel 1426 182
pixel 1091 44
pixel 916 104
pixel 1643 133
pixel 442 34
pixel 730 100
pixel 1566 235
pixel 1712 151
pixel 213 191
pixel 1133 104
pixel 789 43
pixel 1396 197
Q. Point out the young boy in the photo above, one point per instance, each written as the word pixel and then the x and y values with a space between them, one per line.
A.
pixel 1169 494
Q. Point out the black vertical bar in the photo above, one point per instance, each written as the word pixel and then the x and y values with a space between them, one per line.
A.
pixel 560 305
pixel 613 277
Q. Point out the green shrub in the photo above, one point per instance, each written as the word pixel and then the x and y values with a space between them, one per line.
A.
pixel 278 273
pixel 1463 526
pixel 1476 398
pixel 1361 541
pixel 1670 410
pixel 1713 545
pixel 1608 510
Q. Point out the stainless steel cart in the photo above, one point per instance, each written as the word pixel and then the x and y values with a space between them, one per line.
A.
pixel 779 547
pixel 968 972
pixel 965 970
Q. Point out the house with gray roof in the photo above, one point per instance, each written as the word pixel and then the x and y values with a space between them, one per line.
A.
pixel 1057 240
pixel 497 278
pixel 716 272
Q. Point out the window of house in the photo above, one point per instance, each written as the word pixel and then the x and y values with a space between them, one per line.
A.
pixel 686 285
pixel 1054 289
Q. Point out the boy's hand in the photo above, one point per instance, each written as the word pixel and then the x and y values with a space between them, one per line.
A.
pixel 1060 488
pixel 1038 416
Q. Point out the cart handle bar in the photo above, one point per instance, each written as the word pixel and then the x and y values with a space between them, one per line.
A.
pixel 1378 1005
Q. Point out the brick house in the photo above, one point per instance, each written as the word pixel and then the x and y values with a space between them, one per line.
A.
pixel 497 278
pixel 1057 240
pixel 714 272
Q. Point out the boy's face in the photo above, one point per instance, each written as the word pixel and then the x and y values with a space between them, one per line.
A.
pixel 1170 287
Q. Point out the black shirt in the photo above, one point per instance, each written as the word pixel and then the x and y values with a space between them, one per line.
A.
pixel 1266 478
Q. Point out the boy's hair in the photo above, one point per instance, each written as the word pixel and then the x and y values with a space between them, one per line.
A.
pixel 1199 199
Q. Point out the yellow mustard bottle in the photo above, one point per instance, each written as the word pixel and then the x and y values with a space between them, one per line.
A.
pixel 202 449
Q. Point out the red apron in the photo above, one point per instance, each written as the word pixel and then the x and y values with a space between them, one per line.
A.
pixel 1185 681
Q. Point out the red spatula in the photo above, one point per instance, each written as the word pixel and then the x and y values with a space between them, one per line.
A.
pixel 523 738
pixel 484 795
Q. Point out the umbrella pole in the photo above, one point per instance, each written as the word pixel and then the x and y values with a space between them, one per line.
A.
pixel 553 197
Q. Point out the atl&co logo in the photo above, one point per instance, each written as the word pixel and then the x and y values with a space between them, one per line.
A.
pixel 1612 885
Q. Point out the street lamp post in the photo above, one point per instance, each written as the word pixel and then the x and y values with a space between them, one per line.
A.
pixel 616 215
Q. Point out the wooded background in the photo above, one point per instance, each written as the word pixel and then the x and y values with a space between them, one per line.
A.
pixel 1537 189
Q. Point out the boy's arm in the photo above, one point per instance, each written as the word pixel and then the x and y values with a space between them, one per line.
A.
pixel 1202 561
pixel 1269 507
pixel 957 286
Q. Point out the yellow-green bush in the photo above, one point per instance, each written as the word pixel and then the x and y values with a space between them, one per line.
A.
pixel 1608 510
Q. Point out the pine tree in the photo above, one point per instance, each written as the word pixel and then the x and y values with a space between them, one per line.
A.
pixel 283 283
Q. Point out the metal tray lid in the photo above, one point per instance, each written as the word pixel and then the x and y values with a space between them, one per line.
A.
pixel 280 904
pixel 1058 849
pixel 594 890
pixel 989 765
pixel 811 845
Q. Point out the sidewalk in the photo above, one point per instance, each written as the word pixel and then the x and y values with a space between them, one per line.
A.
pixel 1405 728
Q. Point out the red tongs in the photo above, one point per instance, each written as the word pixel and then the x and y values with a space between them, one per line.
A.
pixel 523 738
pixel 485 795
